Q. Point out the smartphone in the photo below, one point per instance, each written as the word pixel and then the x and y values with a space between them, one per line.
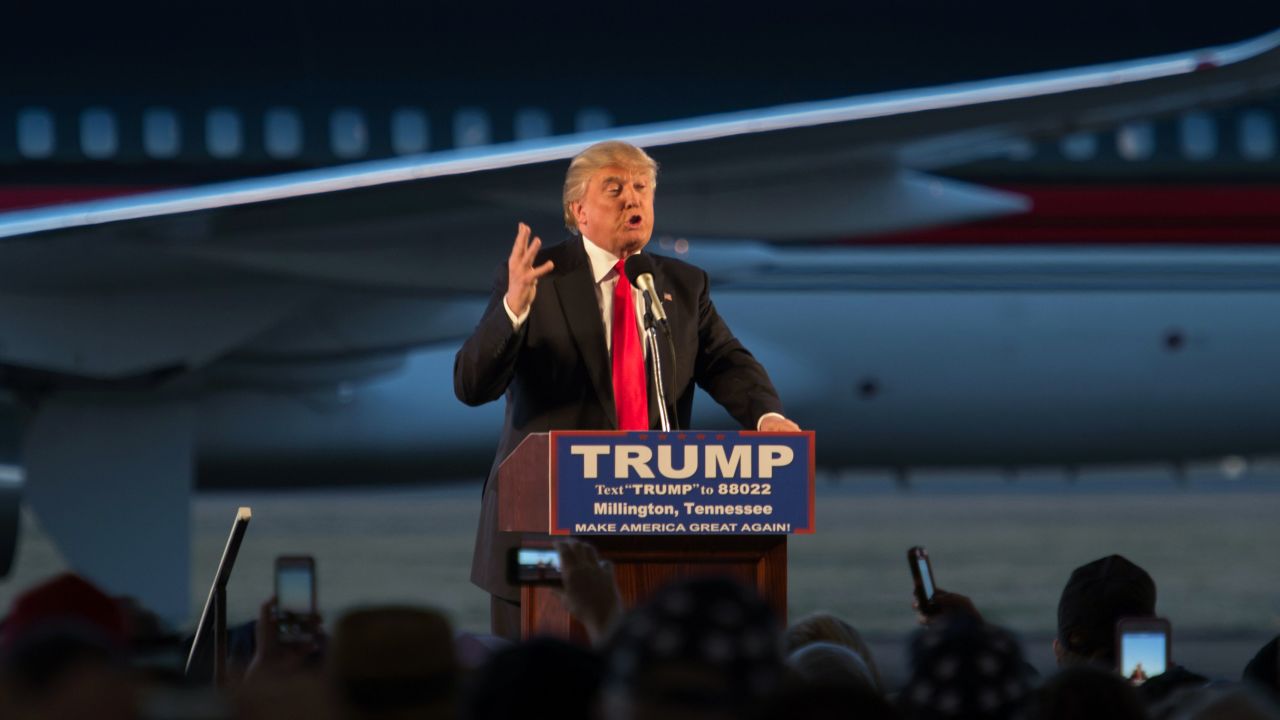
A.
pixel 295 598
pixel 533 566
pixel 922 576
pixel 1143 647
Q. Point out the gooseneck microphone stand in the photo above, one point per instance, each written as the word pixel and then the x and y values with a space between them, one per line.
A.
pixel 651 339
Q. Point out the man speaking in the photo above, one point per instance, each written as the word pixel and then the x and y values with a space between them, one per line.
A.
pixel 561 337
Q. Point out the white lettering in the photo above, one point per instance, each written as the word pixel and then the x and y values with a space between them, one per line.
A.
pixel 632 457
pixel 690 462
pixel 721 466
pixel 595 527
pixel 774 456
pixel 590 454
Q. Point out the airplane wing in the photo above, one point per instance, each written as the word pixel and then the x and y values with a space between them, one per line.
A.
pixel 250 261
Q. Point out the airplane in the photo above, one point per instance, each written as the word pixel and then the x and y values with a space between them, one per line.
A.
pixel 260 322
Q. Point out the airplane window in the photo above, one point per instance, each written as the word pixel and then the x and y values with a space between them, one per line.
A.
pixel 223 135
pixel 348 134
pixel 410 132
pixel 1020 149
pixel 592 118
pixel 532 123
pixel 1198 135
pixel 35 133
pixel 161 137
pixel 1136 140
pixel 282 132
pixel 1079 146
pixel 1257 135
pixel 11 474
pixel 470 127
pixel 98 133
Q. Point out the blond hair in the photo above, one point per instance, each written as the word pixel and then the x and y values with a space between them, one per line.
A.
pixel 824 627
pixel 611 153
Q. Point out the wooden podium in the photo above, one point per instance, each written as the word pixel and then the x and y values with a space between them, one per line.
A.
pixel 643 563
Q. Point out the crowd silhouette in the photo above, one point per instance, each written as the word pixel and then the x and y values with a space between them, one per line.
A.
pixel 702 647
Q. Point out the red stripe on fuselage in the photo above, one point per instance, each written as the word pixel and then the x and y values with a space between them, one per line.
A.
pixel 1120 214
pixel 18 197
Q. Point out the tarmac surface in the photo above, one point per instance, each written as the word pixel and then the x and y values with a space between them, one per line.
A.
pixel 1009 544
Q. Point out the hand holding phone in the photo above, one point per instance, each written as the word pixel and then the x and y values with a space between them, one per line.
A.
pixel 590 587
pixel 533 566
pixel 1143 648
pixel 296 616
pixel 922 576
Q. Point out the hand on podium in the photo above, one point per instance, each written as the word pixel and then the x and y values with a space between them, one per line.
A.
pixel 773 422
pixel 590 588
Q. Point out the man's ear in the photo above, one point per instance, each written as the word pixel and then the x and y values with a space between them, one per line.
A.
pixel 579 214
pixel 1058 651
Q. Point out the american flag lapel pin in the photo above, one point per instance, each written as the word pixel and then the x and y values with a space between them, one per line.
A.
pixel 667 297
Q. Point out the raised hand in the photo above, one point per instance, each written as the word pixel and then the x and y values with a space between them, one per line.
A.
pixel 522 276
pixel 946 604
pixel 272 655
pixel 590 588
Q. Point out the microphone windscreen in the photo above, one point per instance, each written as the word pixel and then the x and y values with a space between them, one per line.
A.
pixel 638 265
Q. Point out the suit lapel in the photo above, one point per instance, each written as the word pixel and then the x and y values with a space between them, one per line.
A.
pixel 577 293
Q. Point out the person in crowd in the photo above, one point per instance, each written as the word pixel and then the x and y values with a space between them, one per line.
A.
pixel 382 662
pixel 281 694
pixel 1085 692
pixel 1263 670
pixel 1221 702
pixel 703 648
pixel 827 702
pixel 282 681
pixel 964 668
pixel 476 649
pixel 267 651
pixel 825 627
pixel 393 662
pixel 64 654
pixel 825 663
pixel 834 673
pixel 540 678
pixel 1097 595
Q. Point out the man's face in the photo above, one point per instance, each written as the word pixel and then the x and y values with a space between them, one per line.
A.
pixel 616 212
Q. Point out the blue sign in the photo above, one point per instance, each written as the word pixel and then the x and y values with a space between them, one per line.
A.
pixel 686 483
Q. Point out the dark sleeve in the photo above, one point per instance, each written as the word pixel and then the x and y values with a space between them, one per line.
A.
pixel 486 362
pixel 727 371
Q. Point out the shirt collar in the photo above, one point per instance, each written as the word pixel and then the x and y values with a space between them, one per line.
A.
pixel 602 261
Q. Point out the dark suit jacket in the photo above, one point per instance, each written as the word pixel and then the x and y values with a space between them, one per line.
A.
pixel 555 371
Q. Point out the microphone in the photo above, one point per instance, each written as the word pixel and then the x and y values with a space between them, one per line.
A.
pixel 639 270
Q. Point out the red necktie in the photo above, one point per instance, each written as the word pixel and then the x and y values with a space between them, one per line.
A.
pixel 630 393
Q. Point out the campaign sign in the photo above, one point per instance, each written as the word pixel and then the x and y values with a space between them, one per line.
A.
pixel 681 483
